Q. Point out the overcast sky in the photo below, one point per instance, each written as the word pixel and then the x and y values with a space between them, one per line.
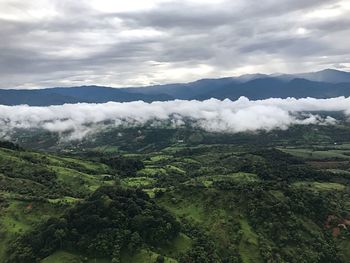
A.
pixel 45 43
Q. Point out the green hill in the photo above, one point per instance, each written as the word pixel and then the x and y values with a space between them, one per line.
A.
pixel 200 203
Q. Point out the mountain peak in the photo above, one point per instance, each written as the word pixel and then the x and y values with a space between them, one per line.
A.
pixel 332 70
pixel 327 75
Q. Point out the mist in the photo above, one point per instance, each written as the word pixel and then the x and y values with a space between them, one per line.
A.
pixel 80 120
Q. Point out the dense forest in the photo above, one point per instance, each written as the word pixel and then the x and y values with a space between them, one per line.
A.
pixel 112 219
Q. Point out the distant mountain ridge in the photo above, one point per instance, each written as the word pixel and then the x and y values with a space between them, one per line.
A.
pixel 321 84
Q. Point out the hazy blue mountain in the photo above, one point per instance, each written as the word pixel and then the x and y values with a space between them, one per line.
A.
pixel 257 86
pixel 187 90
pixel 327 75
pixel 249 77
pixel 277 88
pixel 101 94
pixel 323 84
pixel 58 96
pixel 34 98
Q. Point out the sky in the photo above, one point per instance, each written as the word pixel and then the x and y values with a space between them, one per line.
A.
pixel 50 43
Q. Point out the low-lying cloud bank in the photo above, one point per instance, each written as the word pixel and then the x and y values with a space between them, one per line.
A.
pixel 212 115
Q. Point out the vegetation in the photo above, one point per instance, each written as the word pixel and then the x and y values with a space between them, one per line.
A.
pixel 179 196
pixel 108 222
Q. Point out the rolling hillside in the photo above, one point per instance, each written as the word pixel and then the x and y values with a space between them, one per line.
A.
pixel 217 199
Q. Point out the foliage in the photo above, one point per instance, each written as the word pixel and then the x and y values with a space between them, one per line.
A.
pixel 123 165
pixel 279 196
pixel 110 220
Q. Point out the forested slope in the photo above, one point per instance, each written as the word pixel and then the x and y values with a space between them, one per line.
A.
pixel 204 203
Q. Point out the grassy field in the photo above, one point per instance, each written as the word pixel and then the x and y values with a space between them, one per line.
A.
pixel 145 256
pixel 20 217
pixel 320 186
pixel 138 181
pixel 249 246
pixel 70 257
pixel 180 245
pixel 79 181
pixel 190 209
pixel 63 257
pixel 240 177
pixel 311 154
pixel 152 171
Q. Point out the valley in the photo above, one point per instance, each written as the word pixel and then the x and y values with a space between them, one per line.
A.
pixel 279 196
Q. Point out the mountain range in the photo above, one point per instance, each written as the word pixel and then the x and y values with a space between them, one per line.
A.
pixel 321 84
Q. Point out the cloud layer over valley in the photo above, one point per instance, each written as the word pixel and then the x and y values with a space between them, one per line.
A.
pixel 79 120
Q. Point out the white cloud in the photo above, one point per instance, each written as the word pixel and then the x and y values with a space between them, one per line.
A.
pixel 117 43
pixel 212 115
pixel 302 31
pixel 124 6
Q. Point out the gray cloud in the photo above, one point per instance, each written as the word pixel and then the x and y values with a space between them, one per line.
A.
pixel 61 43
pixel 75 121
